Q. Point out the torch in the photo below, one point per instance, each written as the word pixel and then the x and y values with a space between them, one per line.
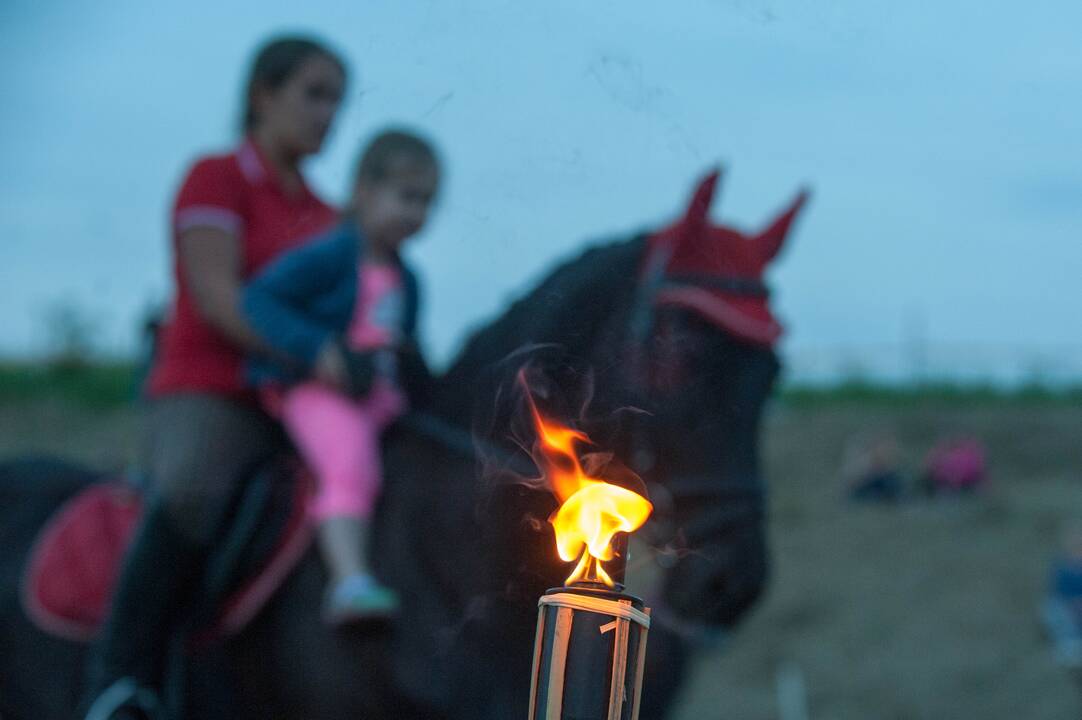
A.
pixel 591 636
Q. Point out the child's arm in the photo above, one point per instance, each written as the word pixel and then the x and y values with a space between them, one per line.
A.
pixel 273 301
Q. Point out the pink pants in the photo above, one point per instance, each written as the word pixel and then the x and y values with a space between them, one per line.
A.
pixel 338 438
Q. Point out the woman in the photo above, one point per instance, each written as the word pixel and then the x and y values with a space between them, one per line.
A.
pixel 233 214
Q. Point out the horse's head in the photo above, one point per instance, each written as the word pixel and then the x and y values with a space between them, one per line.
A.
pixel 698 356
pixel 669 336
pixel 678 324
pixel 714 271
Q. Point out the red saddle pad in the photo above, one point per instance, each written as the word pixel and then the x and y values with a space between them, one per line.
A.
pixel 76 558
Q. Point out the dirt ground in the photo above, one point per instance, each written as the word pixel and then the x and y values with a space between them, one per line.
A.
pixel 925 610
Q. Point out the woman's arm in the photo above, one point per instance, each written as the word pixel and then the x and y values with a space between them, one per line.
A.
pixel 210 258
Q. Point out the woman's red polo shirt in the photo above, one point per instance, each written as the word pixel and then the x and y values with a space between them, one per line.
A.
pixel 239 193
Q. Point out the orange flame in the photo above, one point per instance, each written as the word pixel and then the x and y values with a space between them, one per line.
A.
pixel 591 510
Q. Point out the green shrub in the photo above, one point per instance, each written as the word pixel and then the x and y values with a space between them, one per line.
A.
pixel 98 385
pixel 868 392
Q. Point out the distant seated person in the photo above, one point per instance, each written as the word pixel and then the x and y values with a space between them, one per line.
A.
pixel 870 470
pixel 955 466
pixel 1063 607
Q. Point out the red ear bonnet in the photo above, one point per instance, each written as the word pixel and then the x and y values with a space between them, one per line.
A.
pixel 717 270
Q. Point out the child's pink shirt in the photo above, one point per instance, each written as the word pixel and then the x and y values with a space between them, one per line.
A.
pixel 378 309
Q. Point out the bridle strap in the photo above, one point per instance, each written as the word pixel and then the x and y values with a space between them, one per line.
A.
pixel 745 287
pixel 654 279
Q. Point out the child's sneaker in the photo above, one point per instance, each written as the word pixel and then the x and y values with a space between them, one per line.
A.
pixel 360 597
pixel 125 700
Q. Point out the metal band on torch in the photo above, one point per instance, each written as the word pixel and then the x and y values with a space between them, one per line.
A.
pixel 588 603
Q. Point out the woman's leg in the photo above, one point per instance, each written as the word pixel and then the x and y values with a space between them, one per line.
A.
pixel 201 446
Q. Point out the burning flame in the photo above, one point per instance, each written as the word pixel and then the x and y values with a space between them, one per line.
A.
pixel 591 510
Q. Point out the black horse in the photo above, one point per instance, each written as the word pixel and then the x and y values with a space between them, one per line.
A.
pixel 467 555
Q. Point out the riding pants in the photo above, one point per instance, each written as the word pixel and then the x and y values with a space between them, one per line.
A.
pixel 198 449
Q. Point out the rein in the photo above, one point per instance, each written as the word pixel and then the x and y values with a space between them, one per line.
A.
pixel 463 442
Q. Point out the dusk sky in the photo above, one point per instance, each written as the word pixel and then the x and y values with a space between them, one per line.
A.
pixel 940 141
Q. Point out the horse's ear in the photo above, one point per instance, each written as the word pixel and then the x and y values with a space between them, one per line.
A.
pixel 698 209
pixel 771 239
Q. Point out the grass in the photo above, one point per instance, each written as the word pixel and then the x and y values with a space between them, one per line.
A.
pixel 86 385
pixel 859 392
pixel 113 384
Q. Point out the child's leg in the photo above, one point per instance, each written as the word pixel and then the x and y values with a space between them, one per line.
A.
pixel 343 543
pixel 340 443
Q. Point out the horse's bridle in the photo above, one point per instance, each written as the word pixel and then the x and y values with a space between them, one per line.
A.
pixel 653 280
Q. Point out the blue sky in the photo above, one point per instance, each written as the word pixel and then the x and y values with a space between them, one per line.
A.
pixel 941 142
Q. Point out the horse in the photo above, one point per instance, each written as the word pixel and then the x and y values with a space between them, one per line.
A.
pixel 640 322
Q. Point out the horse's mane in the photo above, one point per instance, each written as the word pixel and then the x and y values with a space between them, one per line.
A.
pixel 568 307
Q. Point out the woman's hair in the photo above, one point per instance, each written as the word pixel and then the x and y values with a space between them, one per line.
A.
pixel 275 63
pixel 391 146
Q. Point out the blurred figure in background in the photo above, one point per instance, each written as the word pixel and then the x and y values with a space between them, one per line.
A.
pixel 1063 606
pixel 233 214
pixel 870 470
pixel 955 466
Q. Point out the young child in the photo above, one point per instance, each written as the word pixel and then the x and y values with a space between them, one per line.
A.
pixel 870 469
pixel 338 318
pixel 1062 609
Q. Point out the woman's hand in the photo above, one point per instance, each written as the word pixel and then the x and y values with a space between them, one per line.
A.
pixel 330 368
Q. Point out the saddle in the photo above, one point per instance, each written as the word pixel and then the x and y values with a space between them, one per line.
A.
pixel 76 559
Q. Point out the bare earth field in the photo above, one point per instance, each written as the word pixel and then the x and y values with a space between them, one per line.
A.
pixel 926 610
pixel 921 611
